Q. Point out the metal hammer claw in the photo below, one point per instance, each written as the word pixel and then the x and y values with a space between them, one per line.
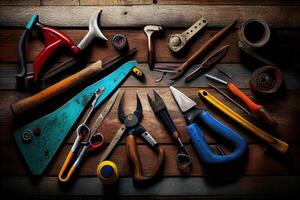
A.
pixel 149 30
pixel 94 32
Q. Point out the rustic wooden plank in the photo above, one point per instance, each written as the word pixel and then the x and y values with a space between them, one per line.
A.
pixel 240 73
pixel 256 162
pixel 228 2
pixel 246 187
pixel 182 16
pixel 20 2
pixel 283 108
pixel 60 3
pixel 114 2
pixel 283 48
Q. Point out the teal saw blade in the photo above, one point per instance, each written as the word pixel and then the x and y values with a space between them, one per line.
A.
pixel 39 141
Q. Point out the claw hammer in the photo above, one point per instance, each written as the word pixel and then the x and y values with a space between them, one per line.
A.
pixel 93 32
pixel 54 39
pixel 149 30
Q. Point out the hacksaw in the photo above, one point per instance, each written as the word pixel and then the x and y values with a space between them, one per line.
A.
pixel 48 132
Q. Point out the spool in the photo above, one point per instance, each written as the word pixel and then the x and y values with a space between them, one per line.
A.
pixel 107 172
pixel 266 80
pixel 254 34
pixel 120 42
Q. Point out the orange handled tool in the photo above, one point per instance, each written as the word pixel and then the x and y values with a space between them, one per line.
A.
pixel 254 107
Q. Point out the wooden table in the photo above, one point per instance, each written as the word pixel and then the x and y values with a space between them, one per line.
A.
pixel 259 174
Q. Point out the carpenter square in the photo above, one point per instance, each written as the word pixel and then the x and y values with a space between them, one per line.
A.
pixel 38 141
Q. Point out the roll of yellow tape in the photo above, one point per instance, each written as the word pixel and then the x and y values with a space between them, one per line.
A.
pixel 107 172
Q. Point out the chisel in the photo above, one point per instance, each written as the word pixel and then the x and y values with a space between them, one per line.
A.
pixel 254 107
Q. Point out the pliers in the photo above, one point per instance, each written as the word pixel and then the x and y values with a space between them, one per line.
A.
pixel 131 124
pixel 183 159
pixel 191 114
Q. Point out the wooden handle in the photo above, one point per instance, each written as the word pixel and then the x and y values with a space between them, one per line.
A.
pixel 30 103
pixel 182 68
pixel 251 105
pixel 133 155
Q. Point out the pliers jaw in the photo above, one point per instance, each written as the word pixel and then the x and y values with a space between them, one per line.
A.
pixel 132 119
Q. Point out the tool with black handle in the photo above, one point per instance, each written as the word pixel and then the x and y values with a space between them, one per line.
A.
pixel 183 159
pixel 254 107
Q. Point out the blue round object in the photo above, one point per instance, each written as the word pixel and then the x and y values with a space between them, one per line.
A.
pixel 107 171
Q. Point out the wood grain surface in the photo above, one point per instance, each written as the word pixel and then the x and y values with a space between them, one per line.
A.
pixel 260 174
pixel 130 16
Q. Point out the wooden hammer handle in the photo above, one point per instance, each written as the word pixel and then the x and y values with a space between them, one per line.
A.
pixel 133 155
pixel 40 98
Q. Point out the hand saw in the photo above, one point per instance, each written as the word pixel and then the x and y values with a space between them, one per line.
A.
pixel 38 141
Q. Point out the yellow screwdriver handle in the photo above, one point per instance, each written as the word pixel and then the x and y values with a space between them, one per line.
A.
pixel 277 144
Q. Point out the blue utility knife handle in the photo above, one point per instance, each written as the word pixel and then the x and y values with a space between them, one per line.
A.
pixel 201 146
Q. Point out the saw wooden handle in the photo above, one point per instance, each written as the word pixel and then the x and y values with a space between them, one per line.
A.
pixel 133 155
pixel 30 103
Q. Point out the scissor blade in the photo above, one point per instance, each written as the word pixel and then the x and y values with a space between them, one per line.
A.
pixel 104 112
pixel 208 62
pixel 184 102
pixel 215 57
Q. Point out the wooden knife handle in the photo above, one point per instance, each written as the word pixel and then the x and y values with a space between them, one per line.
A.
pixel 133 155
pixel 182 68
pixel 30 103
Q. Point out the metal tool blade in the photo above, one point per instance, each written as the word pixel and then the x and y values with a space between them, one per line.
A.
pixel 216 79
pixel 113 143
pixel 104 112
pixel 208 62
pixel 158 104
pixel 184 102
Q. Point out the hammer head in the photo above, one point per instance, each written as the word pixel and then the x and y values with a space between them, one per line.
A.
pixel 94 28
pixel 149 29
pixel 94 31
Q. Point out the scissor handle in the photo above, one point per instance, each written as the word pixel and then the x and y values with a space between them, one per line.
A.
pixel 84 134
pixel 201 146
pixel 97 140
pixel 61 174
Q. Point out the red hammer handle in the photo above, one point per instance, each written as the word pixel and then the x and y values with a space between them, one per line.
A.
pixel 54 39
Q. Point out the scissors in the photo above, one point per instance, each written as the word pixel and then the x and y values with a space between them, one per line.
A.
pixel 86 141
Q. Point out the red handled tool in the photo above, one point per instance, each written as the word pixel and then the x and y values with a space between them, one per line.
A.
pixel 54 39
pixel 254 107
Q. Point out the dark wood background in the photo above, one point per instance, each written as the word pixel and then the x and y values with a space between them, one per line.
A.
pixel 259 174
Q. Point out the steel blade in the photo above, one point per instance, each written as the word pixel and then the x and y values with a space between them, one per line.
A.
pixel 216 79
pixel 184 102
pixel 104 112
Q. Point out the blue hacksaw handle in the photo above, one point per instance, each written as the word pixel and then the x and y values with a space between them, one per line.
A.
pixel 201 146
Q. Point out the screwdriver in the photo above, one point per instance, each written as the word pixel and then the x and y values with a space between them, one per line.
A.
pixel 254 107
